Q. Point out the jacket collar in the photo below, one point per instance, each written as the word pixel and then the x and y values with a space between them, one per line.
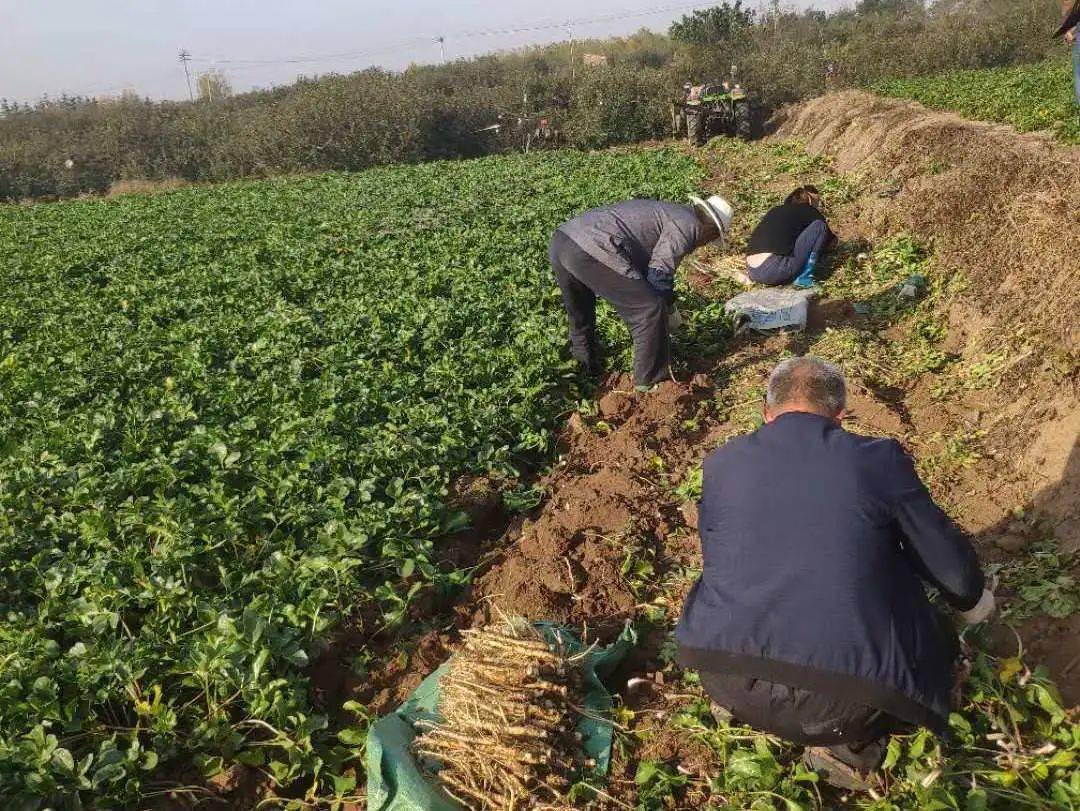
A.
pixel 804 417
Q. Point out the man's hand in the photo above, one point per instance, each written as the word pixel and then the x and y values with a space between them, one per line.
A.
pixel 982 610
pixel 674 319
pixel 1070 36
pixel 663 283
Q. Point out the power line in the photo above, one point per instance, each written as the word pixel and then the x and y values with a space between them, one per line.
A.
pixel 540 26
pixel 318 58
pixel 618 15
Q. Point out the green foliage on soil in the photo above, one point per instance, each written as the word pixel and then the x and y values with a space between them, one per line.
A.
pixel 230 417
pixel 1029 97
pixel 1043 581
pixel 1011 745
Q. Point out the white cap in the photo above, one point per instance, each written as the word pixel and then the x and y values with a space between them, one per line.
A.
pixel 718 209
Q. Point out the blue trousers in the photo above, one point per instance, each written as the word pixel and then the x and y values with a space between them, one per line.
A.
pixel 783 269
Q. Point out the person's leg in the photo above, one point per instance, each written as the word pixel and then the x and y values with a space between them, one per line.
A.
pixel 1076 66
pixel 844 738
pixel 579 302
pixel 648 324
pixel 644 312
pixel 774 271
pixel 777 270
pixel 809 246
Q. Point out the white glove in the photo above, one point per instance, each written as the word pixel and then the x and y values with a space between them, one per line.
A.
pixel 982 610
pixel 674 319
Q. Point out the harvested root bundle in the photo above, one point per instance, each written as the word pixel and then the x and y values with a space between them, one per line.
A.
pixel 507 740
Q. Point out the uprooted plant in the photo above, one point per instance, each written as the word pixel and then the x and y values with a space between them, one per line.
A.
pixel 509 705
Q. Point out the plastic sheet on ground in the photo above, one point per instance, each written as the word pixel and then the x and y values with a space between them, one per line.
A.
pixel 395 780
pixel 769 309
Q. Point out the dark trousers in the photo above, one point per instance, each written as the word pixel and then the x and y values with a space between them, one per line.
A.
pixel 853 731
pixel 581 279
pixel 783 269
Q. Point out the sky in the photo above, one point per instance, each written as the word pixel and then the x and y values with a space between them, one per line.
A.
pixel 104 47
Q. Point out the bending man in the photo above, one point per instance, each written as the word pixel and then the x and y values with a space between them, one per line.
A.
pixel 786 244
pixel 627 254
pixel 810 619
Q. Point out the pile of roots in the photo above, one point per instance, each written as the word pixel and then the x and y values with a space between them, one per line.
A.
pixel 509 702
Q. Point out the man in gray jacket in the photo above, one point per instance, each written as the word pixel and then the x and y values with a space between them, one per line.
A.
pixel 627 253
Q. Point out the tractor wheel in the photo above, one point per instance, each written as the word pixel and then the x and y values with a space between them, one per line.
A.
pixel 744 122
pixel 678 125
pixel 695 128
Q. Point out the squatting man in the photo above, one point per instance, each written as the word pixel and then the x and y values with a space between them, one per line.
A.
pixel 810 619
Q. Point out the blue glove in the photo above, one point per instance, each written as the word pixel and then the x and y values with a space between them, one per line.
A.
pixel 663 283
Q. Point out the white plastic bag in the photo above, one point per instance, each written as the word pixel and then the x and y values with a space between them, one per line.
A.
pixel 773 308
pixel 674 319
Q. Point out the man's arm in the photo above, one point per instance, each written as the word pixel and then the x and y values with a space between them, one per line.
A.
pixel 669 250
pixel 1070 11
pixel 940 550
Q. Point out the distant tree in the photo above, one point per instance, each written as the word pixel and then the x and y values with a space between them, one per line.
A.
pixel 718 25
pixel 896 7
pixel 214 85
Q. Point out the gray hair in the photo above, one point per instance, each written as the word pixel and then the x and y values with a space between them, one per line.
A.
pixel 808 381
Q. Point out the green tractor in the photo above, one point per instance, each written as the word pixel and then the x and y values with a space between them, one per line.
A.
pixel 712 109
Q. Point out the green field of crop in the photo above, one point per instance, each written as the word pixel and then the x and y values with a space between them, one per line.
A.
pixel 229 418
pixel 1029 97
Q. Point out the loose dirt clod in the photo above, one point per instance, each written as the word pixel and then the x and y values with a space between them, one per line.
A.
pixel 507 740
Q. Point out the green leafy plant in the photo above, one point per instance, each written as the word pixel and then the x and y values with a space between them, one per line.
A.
pixel 1043 581
pixel 1030 97
pixel 657 784
pixel 231 419
pixel 1011 745
pixel 690 487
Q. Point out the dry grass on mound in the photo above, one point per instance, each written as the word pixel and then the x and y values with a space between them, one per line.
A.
pixel 1001 208
pixel 122 187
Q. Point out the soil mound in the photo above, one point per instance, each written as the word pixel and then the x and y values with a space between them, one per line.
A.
pixel 1001 207
pixel 608 507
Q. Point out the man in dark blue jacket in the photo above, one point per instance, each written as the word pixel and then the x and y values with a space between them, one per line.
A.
pixel 810 619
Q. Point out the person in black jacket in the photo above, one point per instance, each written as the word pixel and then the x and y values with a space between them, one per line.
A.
pixel 787 243
pixel 810 619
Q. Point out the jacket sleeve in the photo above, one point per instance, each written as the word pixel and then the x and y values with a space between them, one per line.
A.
pixel 940 551
pixel 673 245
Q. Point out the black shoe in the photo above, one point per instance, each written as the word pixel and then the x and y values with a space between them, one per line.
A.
pixel 830 764
pixel 590 368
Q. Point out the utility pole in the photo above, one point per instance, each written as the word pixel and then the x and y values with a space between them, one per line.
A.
pixel 442 47
pixel 570 31
pixel 185 57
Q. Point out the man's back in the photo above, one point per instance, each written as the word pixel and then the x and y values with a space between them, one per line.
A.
pixel 780 227
pixel 633 235
pixel 814 541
